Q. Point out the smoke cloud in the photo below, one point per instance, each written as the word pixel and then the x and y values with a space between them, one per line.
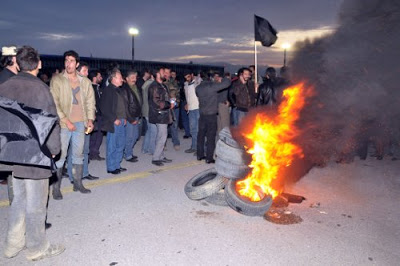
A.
pixel 355 74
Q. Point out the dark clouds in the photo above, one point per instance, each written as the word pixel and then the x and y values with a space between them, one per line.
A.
pixel 100 27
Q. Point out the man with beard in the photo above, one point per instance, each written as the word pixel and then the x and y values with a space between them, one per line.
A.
pixel 75 102
pixel 174 93
pixel 134 113
pixel 243 94
pixel 160 114
pixel 192 107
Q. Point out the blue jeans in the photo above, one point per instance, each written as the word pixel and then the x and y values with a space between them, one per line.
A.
pixel 115 147
pixel 185 119
pixel 240 116
pixel 132 135
pixel 234 115
pixel 27 215
pixel 149 142
pixel 76 139
pixel 174 128
pixel 194 126
pixel 86 146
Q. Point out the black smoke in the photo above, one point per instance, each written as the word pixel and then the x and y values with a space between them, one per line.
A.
pixel 355 73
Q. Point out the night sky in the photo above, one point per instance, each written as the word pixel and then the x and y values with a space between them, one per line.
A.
pixel 174 31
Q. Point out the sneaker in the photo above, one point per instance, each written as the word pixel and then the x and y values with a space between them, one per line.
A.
pixel 53 250
pixel 190 150
pixel 186 137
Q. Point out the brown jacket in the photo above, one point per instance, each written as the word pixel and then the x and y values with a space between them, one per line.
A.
pixel 244 95
pixel 62 94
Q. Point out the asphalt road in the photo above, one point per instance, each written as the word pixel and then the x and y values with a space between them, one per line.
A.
pixel 143 217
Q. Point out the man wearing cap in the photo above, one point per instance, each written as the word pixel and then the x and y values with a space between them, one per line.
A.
pixel 10 67
pixel 8 63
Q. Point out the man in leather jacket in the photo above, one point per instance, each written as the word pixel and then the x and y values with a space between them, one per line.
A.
pixel 134 113
pixel 160 114
pixel 267 92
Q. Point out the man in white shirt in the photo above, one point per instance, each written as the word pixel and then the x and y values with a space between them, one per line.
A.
pixel 192 106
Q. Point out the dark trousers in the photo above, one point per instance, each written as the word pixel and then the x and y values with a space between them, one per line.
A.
pixel 207 129
pixel 96 138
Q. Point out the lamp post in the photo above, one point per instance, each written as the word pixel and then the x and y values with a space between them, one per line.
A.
pixel 285 47
pixel 133 32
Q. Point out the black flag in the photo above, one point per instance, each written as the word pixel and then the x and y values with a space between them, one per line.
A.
pixel 264 32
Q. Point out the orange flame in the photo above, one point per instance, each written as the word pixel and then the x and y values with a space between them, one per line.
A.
pixel 271 147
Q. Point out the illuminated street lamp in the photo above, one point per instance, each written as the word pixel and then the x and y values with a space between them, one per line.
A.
pixel 133 32
pixel 285 46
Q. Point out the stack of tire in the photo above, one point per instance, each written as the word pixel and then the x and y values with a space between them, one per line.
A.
pixel 218 185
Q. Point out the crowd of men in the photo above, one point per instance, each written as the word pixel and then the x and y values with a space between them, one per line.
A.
pixel 89 104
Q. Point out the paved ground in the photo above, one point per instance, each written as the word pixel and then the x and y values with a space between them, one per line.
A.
pixel 143 217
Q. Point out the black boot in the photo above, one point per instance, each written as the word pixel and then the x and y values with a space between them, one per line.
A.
pixel 57 185
pixel 77 172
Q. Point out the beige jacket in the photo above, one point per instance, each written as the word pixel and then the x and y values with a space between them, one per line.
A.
pixel 61 91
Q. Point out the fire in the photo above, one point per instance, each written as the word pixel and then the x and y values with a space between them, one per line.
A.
pixel 271 145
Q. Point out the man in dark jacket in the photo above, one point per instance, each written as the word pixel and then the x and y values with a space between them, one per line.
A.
pixel 134 109
pixel 8 62
pixel 113 108
pixel 96 137
pixel 160 113
pixel 243 94
pixel 207 93
pixel 266 92
pixel 31 187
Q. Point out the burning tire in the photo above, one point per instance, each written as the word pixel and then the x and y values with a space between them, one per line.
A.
pixel 204 184
pixel 218 198
pixel 230 154
pixel 226 136
pixel 242 204
pixel 230 170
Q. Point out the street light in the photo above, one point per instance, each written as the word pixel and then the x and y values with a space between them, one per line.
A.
pixel 285 46
pixel 133 32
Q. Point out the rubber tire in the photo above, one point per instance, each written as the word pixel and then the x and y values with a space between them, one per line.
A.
pixel 230 170
pixel 204 184
pixel 218 198
pixel 226 136
pixel 232 155
pixel 243 205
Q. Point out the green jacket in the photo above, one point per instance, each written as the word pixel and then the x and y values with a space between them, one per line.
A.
pixel 62 95
pixel 173 89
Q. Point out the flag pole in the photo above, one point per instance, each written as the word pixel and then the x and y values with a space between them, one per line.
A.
pixel 255 66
